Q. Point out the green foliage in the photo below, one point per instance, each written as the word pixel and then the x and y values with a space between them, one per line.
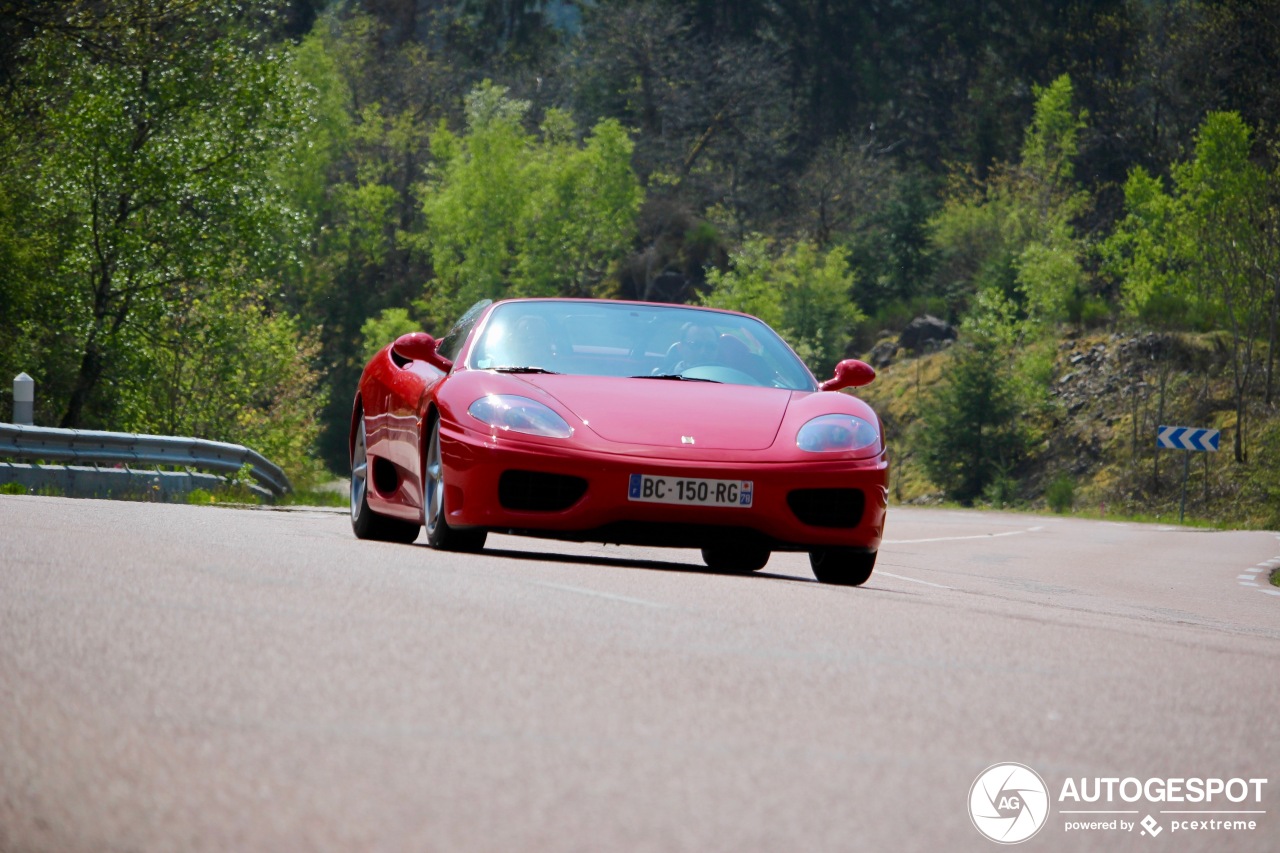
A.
pixel 971 432
pixel 353 169
pixel 1051 144
pixel 185 195
pixel 1205 250
pixel 1001 491
pixel 379 331
pixel 1148 253
pixel 319 496
pixel 1035 368
pixel 1186 253
pixel 1049 273
pixel 804 293
pixel 751 284
pixel 508 214
pixel 12 489
pixel 228 369
pixel 1061 494
pixel 149 223
pixel 1014 232
pixel 1259 498
pixel 889 241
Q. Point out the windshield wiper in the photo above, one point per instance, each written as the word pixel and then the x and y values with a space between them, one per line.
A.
pixel 675 376
pixel 528 369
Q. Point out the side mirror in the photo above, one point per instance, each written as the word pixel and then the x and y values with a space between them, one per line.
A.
pixel 419 346
pixel 850 373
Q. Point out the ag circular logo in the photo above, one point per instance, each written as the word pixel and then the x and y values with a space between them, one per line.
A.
pixel 1008 803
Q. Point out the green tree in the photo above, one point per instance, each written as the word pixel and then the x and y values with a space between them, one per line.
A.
pixel 1147 252
pixel 377 93
pixel 509 214
pixel 1014 231
pixel 145 136
pixel 971 432
pixel 1207 246
pixel 804 293
pixel 381 330
pixel 1226 201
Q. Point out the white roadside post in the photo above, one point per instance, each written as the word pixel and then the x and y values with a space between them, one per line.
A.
pixel 24 400
pixel 1186 439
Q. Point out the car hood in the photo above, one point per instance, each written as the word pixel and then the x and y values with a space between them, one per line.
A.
pixel 671 413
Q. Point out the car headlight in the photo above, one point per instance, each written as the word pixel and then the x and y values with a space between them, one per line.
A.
pixel 519 414
pixel 838 434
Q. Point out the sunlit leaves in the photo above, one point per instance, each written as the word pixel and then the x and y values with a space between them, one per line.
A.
pixel 804 293
pixel 1205 245
pixel 512 213
pixel 1015 232
pixel 151 134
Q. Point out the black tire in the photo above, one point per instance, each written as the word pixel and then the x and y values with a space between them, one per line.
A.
pixel 440 535
pixel 366 523
pixel 739 559
pixel 842 566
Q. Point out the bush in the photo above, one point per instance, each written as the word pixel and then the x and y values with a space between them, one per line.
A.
pixel 971 431
pixel 1002 491
pixel 1061 494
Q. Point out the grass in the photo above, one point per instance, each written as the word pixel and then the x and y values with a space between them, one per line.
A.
pixel 313 497
pixel 240 497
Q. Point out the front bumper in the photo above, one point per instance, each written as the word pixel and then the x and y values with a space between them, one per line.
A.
pixel 779 517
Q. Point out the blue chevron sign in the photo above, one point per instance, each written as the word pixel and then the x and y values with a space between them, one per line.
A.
pixel 1187 438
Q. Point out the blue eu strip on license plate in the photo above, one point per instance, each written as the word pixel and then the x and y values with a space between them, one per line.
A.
pixel 689 491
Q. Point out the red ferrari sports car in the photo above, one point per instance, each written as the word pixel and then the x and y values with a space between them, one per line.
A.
pixel 624 423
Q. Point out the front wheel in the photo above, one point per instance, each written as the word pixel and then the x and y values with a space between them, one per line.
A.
pixel 735 558
pixel 842 566
pixel 366 523
pixel 439 534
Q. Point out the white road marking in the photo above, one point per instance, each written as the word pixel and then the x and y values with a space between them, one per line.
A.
pixel 960 538
pixel 913 580
pixel 1250 576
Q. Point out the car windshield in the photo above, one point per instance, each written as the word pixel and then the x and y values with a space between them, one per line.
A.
pixel 658 342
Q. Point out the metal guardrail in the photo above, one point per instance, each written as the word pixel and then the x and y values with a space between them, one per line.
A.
pixel 96 448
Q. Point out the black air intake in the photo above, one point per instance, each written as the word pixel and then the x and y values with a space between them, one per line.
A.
pixel 827 507
pixel 534 491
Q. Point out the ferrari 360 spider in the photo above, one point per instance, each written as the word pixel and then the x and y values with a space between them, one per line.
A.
pixel 619 422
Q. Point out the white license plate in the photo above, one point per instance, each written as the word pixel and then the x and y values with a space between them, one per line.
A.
pixel 689 491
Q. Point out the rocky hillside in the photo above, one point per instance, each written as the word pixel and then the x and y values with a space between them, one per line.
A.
pixel 1095 400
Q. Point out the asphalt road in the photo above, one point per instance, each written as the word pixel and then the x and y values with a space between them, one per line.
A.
pixel 202 678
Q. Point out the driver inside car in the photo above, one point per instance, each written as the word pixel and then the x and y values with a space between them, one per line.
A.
pixel 698 345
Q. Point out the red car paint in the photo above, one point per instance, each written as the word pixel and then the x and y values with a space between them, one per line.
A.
pixel 624 423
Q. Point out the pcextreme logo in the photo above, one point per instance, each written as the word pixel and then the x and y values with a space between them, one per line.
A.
pixel 1009 803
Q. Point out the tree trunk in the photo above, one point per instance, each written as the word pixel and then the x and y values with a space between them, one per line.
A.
pixel 91 365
